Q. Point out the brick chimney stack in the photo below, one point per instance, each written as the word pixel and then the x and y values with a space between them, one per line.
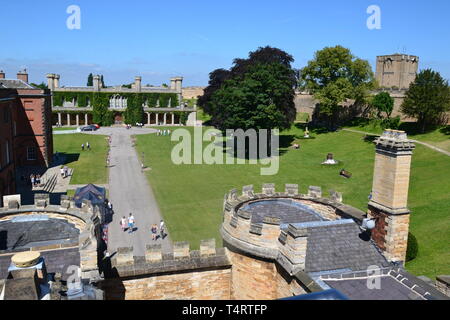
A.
pixel 388 205
pixel 23 75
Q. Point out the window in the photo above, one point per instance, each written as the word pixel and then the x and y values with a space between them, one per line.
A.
pixel 7 153
pixel 6 114
pixel 31 153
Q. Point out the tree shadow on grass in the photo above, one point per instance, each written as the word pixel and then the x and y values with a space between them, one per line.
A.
pixel 370 138
pixel 445 130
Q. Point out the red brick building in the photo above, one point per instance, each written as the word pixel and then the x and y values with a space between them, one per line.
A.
pixel 25 126
pixel 7 166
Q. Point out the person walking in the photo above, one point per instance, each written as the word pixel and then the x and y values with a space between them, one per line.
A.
pixel 123 224
pixel 82 147
pixel 88 146
pixel 131 222
pixel 154 231
pixel 161 229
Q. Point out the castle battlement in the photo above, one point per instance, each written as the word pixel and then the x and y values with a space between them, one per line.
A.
pixel 281 233
pixel 181 258
pixel 86 219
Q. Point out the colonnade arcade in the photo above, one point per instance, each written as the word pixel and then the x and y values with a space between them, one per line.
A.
pixel 84 118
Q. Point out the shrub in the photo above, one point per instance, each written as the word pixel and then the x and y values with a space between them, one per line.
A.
pixel 413 248
pixel 391 123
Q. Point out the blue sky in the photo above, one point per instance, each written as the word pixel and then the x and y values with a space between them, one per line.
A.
pixel 160 39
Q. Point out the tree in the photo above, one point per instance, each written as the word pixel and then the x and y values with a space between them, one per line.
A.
pixel 427 99
pixel 90 81
pixel 102 82
pixel 42 85
pixel 383 102
pixel 334 76
pixel 256 93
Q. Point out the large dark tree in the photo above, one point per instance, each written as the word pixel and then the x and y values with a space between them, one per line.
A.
pixel 427 99
pixel 256 93
pixel 90 81
pixel 102 82
pixel 335 75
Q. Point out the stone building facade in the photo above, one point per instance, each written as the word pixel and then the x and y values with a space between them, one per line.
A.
pixel 71 113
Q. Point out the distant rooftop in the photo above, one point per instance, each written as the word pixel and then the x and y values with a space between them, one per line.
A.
pixel 15 84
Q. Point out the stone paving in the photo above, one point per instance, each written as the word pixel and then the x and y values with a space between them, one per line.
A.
pixel 129 192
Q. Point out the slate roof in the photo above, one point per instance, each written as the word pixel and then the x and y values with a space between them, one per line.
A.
pixel 15 84
pixel 394 284
pixel 55 261
pixel 16 235
pixel 339 246
pixel 287 211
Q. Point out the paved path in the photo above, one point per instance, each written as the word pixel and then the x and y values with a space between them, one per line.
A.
pixel 415 141
pixel 129 191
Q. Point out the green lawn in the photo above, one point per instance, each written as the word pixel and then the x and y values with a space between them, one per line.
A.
pixel 302 117
pixel 64 129
pixel 89 166
pixel 191 196
pixel 439 137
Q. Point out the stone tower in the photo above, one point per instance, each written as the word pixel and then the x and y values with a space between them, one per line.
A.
pixel 396 70
pixel 388 205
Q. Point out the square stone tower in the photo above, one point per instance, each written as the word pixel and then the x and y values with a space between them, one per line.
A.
pixel 396 70
pixel 388 204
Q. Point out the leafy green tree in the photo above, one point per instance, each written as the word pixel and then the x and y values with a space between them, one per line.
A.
pixel 90 81
pixel 427 99
pixel 335 75
pixel 102 82
pixel 42 85
pixel 383 102
pixel 256 93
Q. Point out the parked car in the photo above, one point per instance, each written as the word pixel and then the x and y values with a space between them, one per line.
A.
pixel 89 128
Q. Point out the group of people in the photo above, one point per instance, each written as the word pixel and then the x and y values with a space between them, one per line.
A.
pixel 163 132
pixel 35 180
pixel 88 146
pixel 154 230
pixel 130 223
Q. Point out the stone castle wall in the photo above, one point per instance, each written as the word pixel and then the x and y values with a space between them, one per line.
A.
pixel 200 285
pixel 86 219
pixel 252 278
pixel 203 274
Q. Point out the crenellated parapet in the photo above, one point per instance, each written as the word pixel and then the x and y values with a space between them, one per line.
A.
pixel 86 219
pixel 181 258
pixel 269 236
